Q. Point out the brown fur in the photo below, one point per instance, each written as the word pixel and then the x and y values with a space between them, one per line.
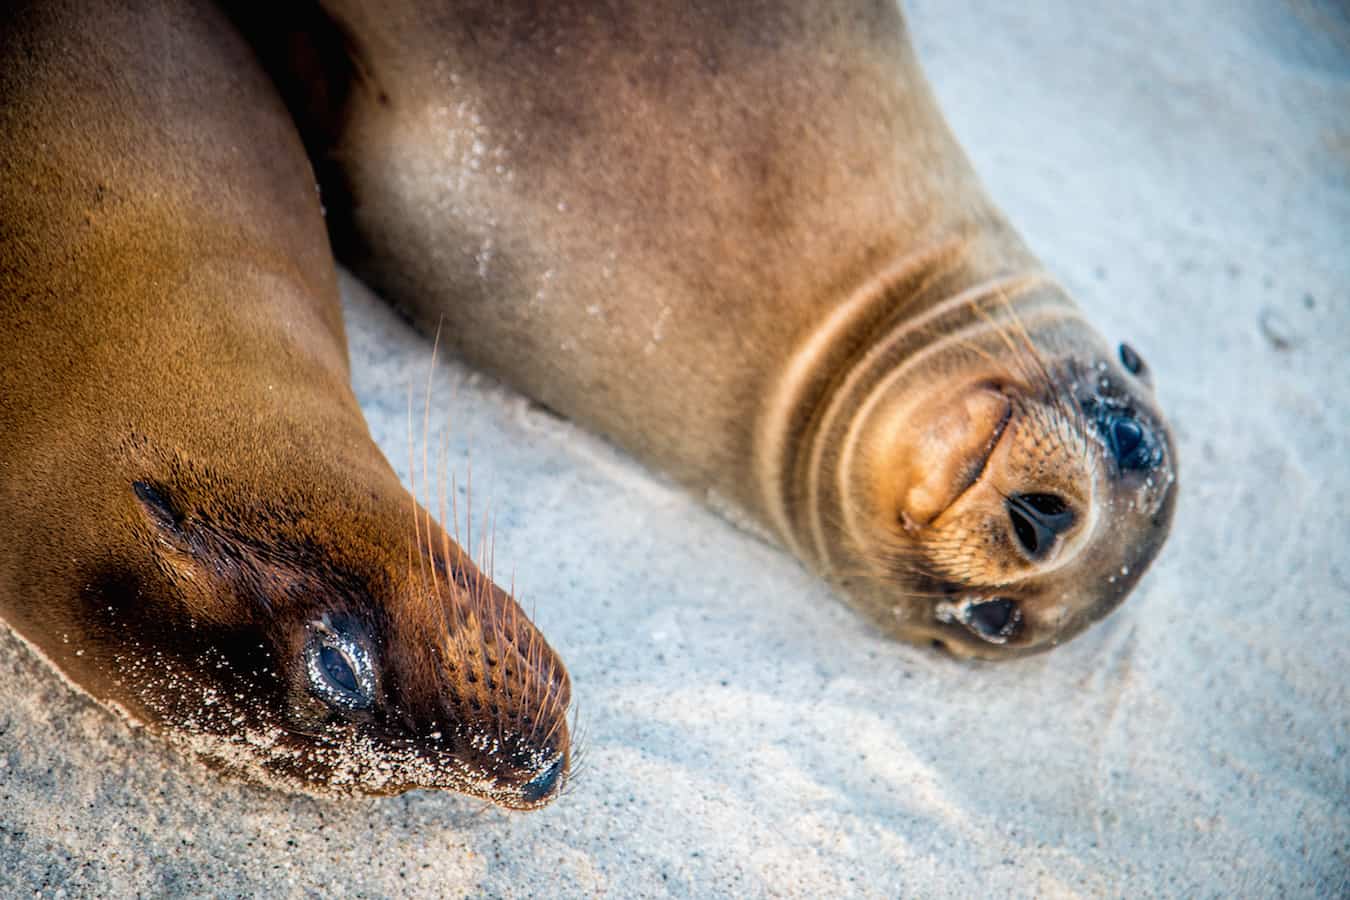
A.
pixel 187 485
pixel 708 231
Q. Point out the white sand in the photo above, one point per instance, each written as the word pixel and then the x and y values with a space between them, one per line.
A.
pixel 1184 167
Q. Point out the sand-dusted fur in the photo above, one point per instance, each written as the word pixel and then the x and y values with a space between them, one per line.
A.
pixel 197 527
pixel 712 232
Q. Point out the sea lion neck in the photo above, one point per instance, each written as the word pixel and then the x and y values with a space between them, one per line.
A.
pixel 890 315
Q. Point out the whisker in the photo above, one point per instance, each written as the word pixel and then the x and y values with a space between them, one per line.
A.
pixel 426 435
pixel 1016 353
pixel 1019 329
pixel 412 478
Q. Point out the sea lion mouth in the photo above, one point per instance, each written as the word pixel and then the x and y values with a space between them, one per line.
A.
pixel 950 450
pixel 979 464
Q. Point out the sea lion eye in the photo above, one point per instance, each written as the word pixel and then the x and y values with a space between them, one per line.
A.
pixel 994 620
pixel 339 669
pixel 1130 442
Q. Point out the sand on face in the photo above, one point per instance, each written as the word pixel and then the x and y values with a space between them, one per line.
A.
pixel 1184 169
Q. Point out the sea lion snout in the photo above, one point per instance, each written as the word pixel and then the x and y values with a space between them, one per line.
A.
pixel 456 689
pixel 479 678
pixel 1103 474
pixel 334 670
pixel 1004 490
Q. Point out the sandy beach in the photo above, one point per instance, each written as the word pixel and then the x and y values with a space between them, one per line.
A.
pixel 1184 169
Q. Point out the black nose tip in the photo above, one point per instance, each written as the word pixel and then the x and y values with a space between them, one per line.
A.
pixel 544 783
pixel 1037 520
pixel 1131 443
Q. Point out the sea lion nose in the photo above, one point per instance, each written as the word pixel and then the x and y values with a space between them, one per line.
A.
pixel 1037 520
pixel 544 783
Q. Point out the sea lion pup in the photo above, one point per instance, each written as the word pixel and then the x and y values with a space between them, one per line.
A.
pixel 739 239
pixel 197 527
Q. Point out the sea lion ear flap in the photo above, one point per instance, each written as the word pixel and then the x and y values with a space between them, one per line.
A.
pixel 157 505
pixel 188 556
pixel 1134 363
pixel 155 495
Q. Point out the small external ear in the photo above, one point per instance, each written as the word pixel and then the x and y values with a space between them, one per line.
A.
pixel 192 564
pixel 1134 363
pixel 161 510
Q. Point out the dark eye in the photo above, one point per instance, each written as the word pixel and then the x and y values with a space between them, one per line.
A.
pixel 1130 442
pixel 339 669
pixel 994 620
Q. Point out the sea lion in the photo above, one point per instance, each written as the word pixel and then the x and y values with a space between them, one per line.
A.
pixel 739 239
pixel 197 527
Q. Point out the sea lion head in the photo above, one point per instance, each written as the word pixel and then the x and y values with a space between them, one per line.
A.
pixel 1006 477
pixel 320 643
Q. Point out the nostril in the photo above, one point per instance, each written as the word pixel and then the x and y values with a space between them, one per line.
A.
pixel 543 784
pixel 1037 520
pixel 1048 505
pixel 1027 533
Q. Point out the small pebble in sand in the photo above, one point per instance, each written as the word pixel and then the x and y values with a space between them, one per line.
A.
pixel 1277 331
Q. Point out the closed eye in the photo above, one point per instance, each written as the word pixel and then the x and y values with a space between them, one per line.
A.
pixel 339 669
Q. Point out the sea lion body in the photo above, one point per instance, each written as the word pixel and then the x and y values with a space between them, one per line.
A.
pixel 718 233
pixel 197 527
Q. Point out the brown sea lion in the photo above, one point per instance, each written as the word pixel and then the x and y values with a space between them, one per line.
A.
pixel 739 239
pixel 195 525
